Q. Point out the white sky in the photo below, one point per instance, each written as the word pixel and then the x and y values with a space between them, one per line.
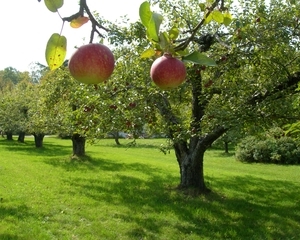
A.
pixel 26 26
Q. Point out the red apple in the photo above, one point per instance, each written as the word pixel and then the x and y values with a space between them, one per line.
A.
pixel 208 84
pixel 113 107
pixel 87 109
pixel 167 72
pixel 92 63
pixel 132 105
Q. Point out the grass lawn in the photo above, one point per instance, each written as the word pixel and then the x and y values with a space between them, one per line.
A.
pixel 129 193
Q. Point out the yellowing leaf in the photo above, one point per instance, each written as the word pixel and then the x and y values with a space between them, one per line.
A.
pixel 148 53
pixel 53 5
pixel 56 51
pixel 208 19
pixel 78 22
pixel 173 33
pixel 217 16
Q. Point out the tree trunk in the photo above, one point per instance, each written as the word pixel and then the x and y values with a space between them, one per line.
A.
pixel 191 171
pixel 21 137
pixel 78 142
pixel 9 136
pixel 38 139
pixel 116 137
pixel 226 148
pixel 190 153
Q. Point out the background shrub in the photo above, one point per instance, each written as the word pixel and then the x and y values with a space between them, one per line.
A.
pixel 283 150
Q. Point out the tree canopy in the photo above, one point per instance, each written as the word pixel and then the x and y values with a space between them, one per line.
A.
pixel 242 63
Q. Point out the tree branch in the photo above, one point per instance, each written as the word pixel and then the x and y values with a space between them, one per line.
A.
pixel 83 7
pixel 183 45
pixel 290 84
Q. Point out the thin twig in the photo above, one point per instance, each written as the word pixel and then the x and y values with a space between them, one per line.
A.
pixel 183 45
pixel 83 7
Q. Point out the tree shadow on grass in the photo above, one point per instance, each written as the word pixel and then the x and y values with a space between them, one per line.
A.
pixel 258 209
pixel 18 212
pixel 14 214
pixel 28 148
pixel 8 237
pixel 265 209
pixel 135 144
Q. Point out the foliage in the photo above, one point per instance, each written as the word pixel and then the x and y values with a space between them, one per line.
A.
pixel 251 46
pixel 271 148
pixel 14 106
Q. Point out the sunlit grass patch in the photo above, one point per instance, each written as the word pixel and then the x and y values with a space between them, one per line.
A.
pixel 130 193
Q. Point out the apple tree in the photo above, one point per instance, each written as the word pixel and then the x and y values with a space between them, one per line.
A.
pixel 241 72
pixel 14 105
pixel 252 84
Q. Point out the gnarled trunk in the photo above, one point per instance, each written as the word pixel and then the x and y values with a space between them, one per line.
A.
pixel 78 142
pixel 38 139
pixel 190 157
pixel 190 152
pixel 21 137
pixel 191 171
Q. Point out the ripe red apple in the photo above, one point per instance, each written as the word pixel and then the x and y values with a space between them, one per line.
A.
pixel 167 72
pixel 92 63
pixel 132 105
pixel 208 84
pixel 113 106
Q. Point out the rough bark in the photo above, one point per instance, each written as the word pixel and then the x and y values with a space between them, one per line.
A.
pixel 21 137
pixel 38 139
pixel 78 143
pixel 192 175
pixel 190 158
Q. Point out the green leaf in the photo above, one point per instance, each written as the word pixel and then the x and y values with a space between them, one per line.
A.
pixel 208 19
pixel 150 20
pixel 56 51
pixel 173 33
pixel 199 58
pixel 292 2
pixel 148 53
pixel 217 16
pixel 164 40
pixel 202 6
pixel 153 27
pixel 53 5
pixel 145 13
pixel 227 18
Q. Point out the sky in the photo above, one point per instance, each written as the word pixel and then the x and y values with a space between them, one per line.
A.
pixel 26 26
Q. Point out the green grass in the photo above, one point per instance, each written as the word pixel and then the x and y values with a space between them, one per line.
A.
pixel 129 193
